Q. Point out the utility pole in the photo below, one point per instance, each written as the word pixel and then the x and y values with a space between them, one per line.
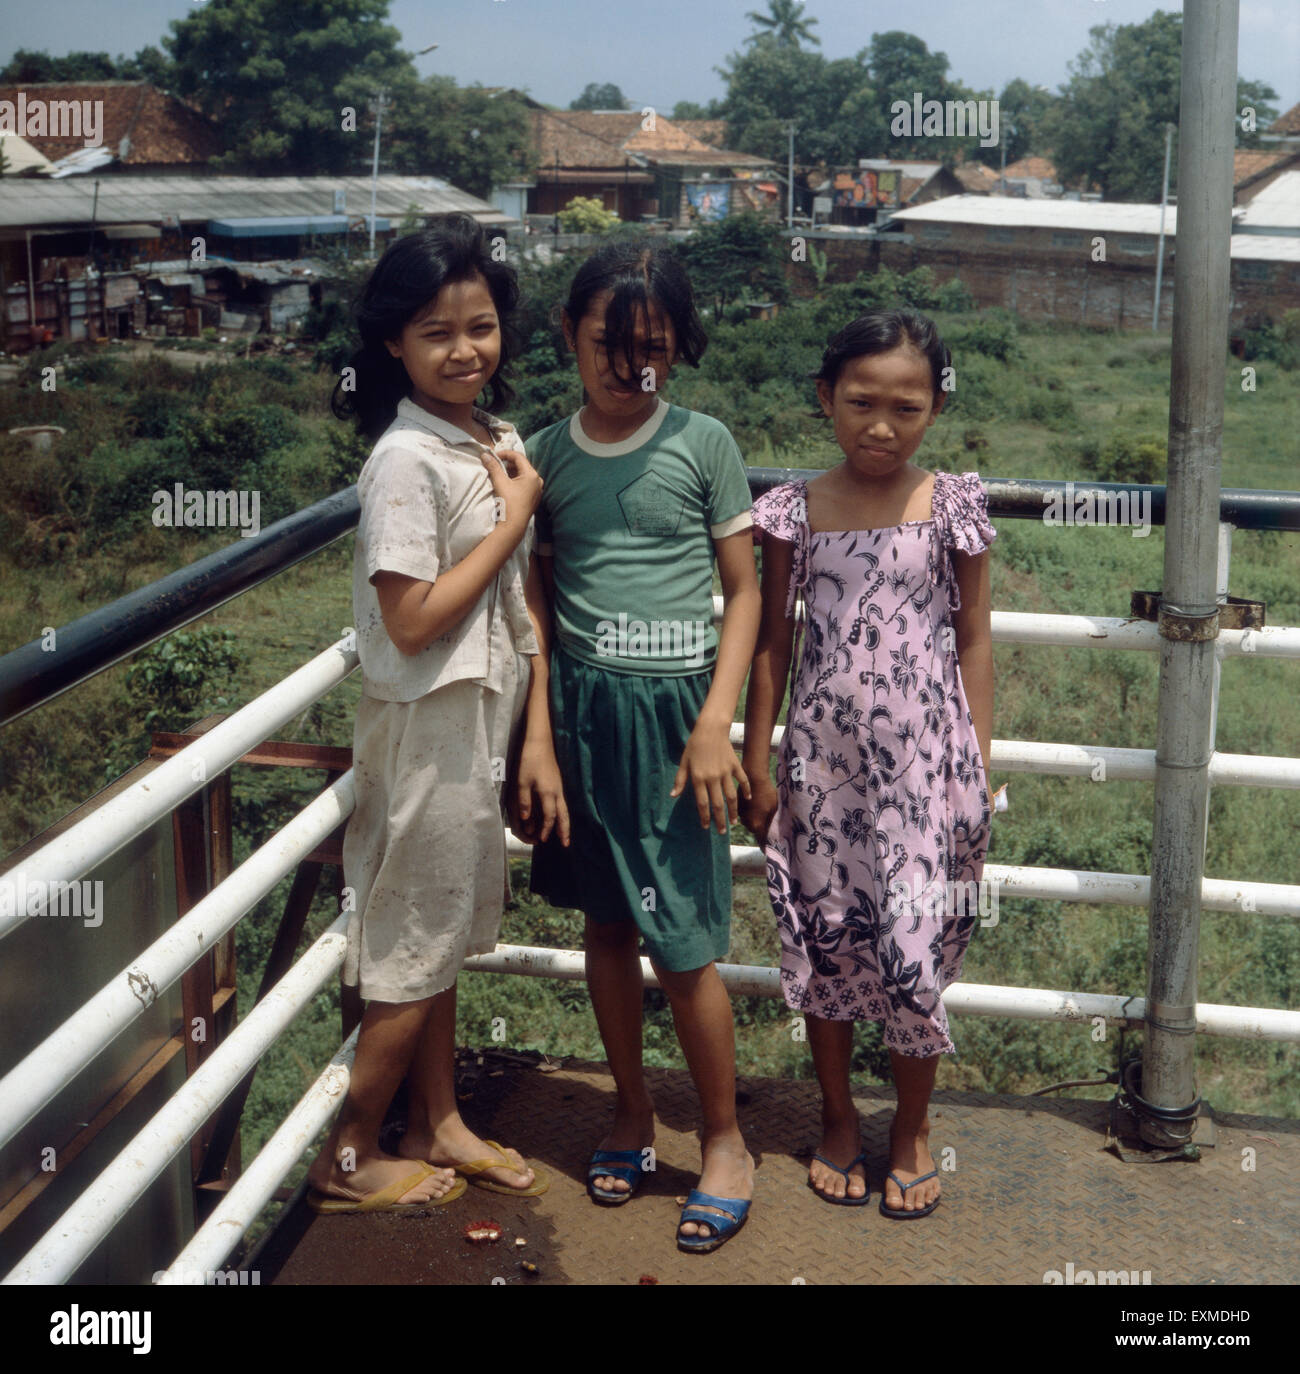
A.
pixel 374 164
pixel 789 128
pixel 1160 251
pixel 1188 615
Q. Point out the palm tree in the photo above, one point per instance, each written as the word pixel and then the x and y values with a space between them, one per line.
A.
pixel 785 23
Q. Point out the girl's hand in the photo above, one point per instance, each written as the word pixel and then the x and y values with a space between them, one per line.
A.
pixel 517 486
pixel 711 765
pixel 757 810
pixel 535 804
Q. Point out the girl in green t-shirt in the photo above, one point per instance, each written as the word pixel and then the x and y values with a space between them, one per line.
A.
pixel 640 753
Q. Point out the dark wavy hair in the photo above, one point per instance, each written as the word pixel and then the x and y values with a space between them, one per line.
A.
pixel 410 274
pixel 879 331
pixel 639 271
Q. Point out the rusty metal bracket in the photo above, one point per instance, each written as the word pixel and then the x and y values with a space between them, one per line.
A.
pixel 1234 613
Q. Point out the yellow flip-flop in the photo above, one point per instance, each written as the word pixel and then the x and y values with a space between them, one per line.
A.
pixel 385 1199
pixel 472 1171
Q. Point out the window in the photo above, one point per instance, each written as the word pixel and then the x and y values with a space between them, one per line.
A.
pixel 937 231
pixel 1143 246
pixel 1066 240
pixel 1254 271
pixel 1000 235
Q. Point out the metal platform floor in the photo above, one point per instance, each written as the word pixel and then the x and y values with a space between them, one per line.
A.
pixel 1031 1191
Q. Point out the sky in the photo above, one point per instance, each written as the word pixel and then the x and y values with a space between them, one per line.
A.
pixel 666 50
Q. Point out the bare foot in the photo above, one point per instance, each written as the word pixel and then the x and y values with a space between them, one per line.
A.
pixel 371 1174
pixel 728 1172
pixel 841 1143
pixel 454 1143
pixel 909 1158
pixel 633 1129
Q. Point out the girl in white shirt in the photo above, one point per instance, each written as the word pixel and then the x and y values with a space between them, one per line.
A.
pixel 445 641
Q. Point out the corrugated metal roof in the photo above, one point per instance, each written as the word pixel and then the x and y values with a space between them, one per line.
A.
pixel 1271 247
pixel 1277 206
pixel 1012 212
pixel 29 203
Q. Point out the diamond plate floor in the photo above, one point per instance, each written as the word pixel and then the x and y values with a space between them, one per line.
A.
pixel 1029 1189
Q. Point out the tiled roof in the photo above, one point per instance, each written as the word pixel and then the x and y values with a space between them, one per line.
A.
pixel 160 128
pixel 1250 163
pixel 710 131
pixel 976 177
pixel 591 138
pixel 1288 123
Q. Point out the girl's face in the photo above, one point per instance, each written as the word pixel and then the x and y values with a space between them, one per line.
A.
pixel 881 406
pixel 451 348
pixel 610 388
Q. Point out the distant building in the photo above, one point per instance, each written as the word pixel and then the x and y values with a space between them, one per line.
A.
pixel 59 230
pixel 639 172
pixel 1085 261
pixel 143 129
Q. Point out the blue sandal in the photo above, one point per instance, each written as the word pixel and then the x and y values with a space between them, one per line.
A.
pixel 846 1200
pixel 737 1210
pixel 897 1213
pixel 624 1164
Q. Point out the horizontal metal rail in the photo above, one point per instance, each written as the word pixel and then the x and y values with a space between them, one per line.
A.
pixel 978 999
pixel 74 1237
pixel 31 676
pixel 212 1243
pixel 57 1060
pixel 92 840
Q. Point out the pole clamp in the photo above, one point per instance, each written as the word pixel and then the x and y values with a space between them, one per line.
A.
pixel 1173 623
pixel 1174 1020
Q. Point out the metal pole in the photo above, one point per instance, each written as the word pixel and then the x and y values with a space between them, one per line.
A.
pixel 1160 251
pixel 1189 620
pixel 790 203
pixel 374 168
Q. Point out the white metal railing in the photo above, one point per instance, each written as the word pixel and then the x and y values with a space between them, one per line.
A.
pixel 39 1076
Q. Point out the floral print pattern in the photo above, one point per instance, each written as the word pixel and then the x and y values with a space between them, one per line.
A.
pixel 883 797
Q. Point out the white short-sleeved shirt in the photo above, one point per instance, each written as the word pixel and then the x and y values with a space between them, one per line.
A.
pixel 426 503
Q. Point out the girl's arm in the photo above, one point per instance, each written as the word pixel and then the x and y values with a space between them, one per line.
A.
pixel 708 760
pixel 767 684
pixel 974 629
pixel 538 770
pixel 415 613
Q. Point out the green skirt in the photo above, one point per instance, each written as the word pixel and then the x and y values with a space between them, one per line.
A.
pixel 635 854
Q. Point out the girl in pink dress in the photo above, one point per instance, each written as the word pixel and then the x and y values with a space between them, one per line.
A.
pixel 877 827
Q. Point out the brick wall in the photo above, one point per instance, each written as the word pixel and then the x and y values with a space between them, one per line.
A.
pixel 1040 279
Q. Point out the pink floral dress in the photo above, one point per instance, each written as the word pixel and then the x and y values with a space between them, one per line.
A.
pixel 883 822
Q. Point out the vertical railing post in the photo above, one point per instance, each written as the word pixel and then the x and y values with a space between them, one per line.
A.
pixel 1188 620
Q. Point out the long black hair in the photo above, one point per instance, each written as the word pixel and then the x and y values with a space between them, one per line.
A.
pixel 879 331
pixel 640 272
pixel 410 274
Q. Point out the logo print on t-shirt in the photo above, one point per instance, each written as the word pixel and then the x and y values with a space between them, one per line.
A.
pixel 649 507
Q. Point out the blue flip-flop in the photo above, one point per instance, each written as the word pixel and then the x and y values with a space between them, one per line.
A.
pixel 846 1200
pixel 624 1164
pixel 897 1213
pixel 736 1208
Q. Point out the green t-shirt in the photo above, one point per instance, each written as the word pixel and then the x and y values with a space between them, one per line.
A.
pixel 630 527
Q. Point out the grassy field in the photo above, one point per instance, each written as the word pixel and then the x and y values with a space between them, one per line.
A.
pixel 1104 384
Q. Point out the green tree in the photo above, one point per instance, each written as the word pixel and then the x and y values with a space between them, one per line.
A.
pixel 831 104
pixel 742 253
pixel 586 215
pixel 28 66
pixel 690 109
pixel 1108 126
pixel 784 22
pixel 1258 95
pixel 1022 110
pixel 278 78
pixel 600 97
pixel 465 134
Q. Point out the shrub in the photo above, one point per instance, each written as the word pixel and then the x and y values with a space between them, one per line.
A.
pixel 1127 458
pixel 954 296
pixel 586 215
